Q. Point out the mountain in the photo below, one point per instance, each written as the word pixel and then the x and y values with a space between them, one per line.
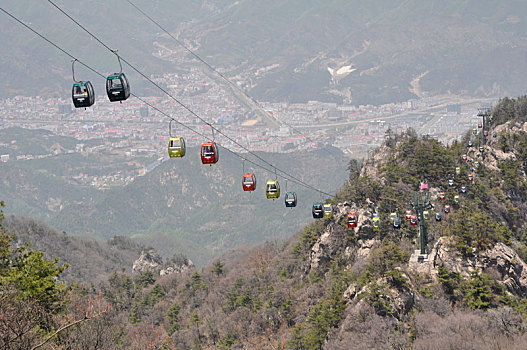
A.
pixel 89 260
pixel 284 51
pixel 180 206
pixel 335 287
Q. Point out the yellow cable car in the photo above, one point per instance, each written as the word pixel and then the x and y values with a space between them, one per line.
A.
pixel 426 215
pixel 176 147
pixel 272 189
pixel 328 211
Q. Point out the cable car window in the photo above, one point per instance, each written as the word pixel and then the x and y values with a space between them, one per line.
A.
pixel 115 83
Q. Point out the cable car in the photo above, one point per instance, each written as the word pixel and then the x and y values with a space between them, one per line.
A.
pixel 82 94
pixel 393 216
pixel 376 222
pixel 470 177
pixel 352 219
pixel 176 147
pixel 397 223
pixel 117 87
pixel 317 211
pixel 481 149
pixel 407 214
pixel 494 134
pixel 447 208
pixel 328 211
pixel 469 143
pixel 458 170
pixel 209 153
pixel 272 189
pixel 464 157
pixel 249 182
pixel 290 199
pixel 426 215
pixel 463 189
pixel 438 216
pixel 475 131
pixel 456 198
pixel 480 125
pixel 485 133
pixel 442 196
pixel 413 220
pixel 476 163
pixel 450 182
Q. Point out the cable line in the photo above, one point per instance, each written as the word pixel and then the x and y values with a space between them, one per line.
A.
pixel 179 102
pixel 227 80
pixel 283 174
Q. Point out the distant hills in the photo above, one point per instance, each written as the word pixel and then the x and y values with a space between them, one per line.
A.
pixel 281 51
pixel 180 206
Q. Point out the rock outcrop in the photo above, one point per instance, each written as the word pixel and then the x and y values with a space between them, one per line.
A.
pixel 502 260
pixel 149 260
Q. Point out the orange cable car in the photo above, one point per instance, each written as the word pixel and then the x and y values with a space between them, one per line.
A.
pixel 209 153
pixel 352 219
pixel 249 182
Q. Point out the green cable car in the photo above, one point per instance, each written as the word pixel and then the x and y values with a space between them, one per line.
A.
pixel 176 147
pixel 272 189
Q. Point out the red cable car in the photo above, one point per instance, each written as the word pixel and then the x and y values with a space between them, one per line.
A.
pixel 485 133
pixel 408 214
pixel 447 209
pixel 480 125
pixel 413 220
pixel 249 182
pixel 352 219
pixel 209 153
pixel 442 196
pixel 470 177
pixel 464 157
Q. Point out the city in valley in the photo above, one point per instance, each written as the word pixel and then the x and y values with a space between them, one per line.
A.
pixel 134 130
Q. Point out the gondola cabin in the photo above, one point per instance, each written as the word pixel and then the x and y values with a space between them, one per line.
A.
pixel 209 153
pixel 376 223
pixel 249 182
pixel 470 177
pixel 176 147
pixel 458 170
pixel 469 144
pixel 117 87
pixel 464 157
pixel 480 125
pixel 474 131
pixel 413 220
pixel 442 196
pixel 352 219
pixel 485 133
pixel 476 163
pixel 393 216
pixel 272 189
pixel 82 94
pixel 481 149
pixel 407 214
pixel 446 209
pixel 317 211
pixel 397 223
pixel 290 199
pixel 328 211
pixel 426 215
pixel 456 198
pixel 450 182
pixel 463 189
pixel 438 216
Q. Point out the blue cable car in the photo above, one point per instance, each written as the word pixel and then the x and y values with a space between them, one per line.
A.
pixel 290 199
pixel 317 211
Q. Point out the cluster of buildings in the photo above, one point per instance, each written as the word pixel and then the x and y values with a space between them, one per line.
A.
pixel 133 129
